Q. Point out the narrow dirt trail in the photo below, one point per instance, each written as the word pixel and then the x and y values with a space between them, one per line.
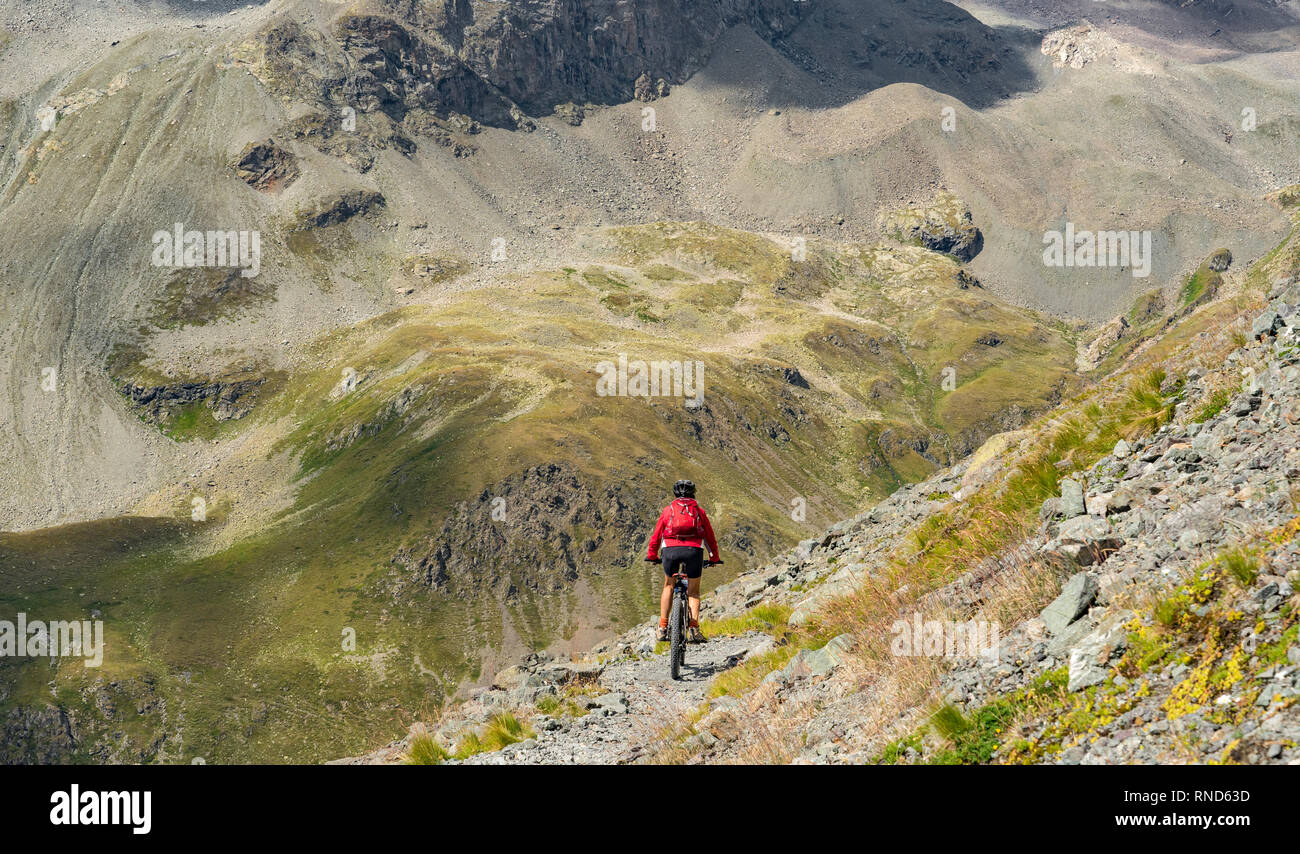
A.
pixel 642 701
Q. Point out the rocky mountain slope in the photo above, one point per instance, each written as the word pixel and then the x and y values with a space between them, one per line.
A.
pixel 344 488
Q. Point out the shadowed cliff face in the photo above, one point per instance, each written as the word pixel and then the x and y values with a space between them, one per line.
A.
pixel 594 51
pixel 499 63
pixel 494 62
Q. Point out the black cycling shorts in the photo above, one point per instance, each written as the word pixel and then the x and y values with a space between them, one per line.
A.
pixel 687 559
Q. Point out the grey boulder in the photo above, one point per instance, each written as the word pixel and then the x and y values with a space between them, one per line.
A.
pixel 1076 597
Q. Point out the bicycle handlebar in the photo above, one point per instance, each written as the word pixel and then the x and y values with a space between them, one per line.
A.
pixel 660 560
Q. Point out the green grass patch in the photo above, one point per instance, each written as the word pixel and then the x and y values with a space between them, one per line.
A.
pixel 744 677
pixel 1146 649
pixel 1276 652
pixel 1147 407
pixel 772 619
pixel 664 273
pixel 1200 287
pixel 603 280
pixel 973 737
pixel 197 296
pixel 898 748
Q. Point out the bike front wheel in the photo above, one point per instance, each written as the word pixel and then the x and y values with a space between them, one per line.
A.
pixel 676 637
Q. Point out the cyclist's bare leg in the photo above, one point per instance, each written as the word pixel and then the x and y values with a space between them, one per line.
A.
pixel 693 593
pixel 666 599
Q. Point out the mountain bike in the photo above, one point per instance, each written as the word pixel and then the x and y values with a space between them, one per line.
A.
pixel 678 616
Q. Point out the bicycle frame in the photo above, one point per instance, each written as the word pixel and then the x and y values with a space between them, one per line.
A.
pixel 681 584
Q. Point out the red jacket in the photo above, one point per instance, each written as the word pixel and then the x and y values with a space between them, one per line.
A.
pixel 652 552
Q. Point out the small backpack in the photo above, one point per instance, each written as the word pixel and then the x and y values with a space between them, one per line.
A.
pixel 684 521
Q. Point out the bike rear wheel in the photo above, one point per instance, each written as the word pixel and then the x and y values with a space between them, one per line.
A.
pixel 676 638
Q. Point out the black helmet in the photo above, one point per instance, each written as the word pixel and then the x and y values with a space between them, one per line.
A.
pixel 683 489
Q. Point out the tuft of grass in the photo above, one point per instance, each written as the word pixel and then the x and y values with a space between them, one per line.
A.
pixel 1167 612
pixel 1146 406
pixel 556 706
pixel 1241 564
pixel 949 722
pixel 898 748
pixel 425 751
pixel 503 730
pixel 1146 649
pixel 1276 653
pixel 1175 611
pixel 989 727
pixel 1212 406
pixel 746 676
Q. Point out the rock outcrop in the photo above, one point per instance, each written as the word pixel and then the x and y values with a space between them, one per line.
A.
pixel 338 208
pixel 383 72
pixel 266 166
pixel 944 225
pixel 475 552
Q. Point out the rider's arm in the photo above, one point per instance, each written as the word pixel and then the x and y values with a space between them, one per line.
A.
pixel 652 548
pixel 711 540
